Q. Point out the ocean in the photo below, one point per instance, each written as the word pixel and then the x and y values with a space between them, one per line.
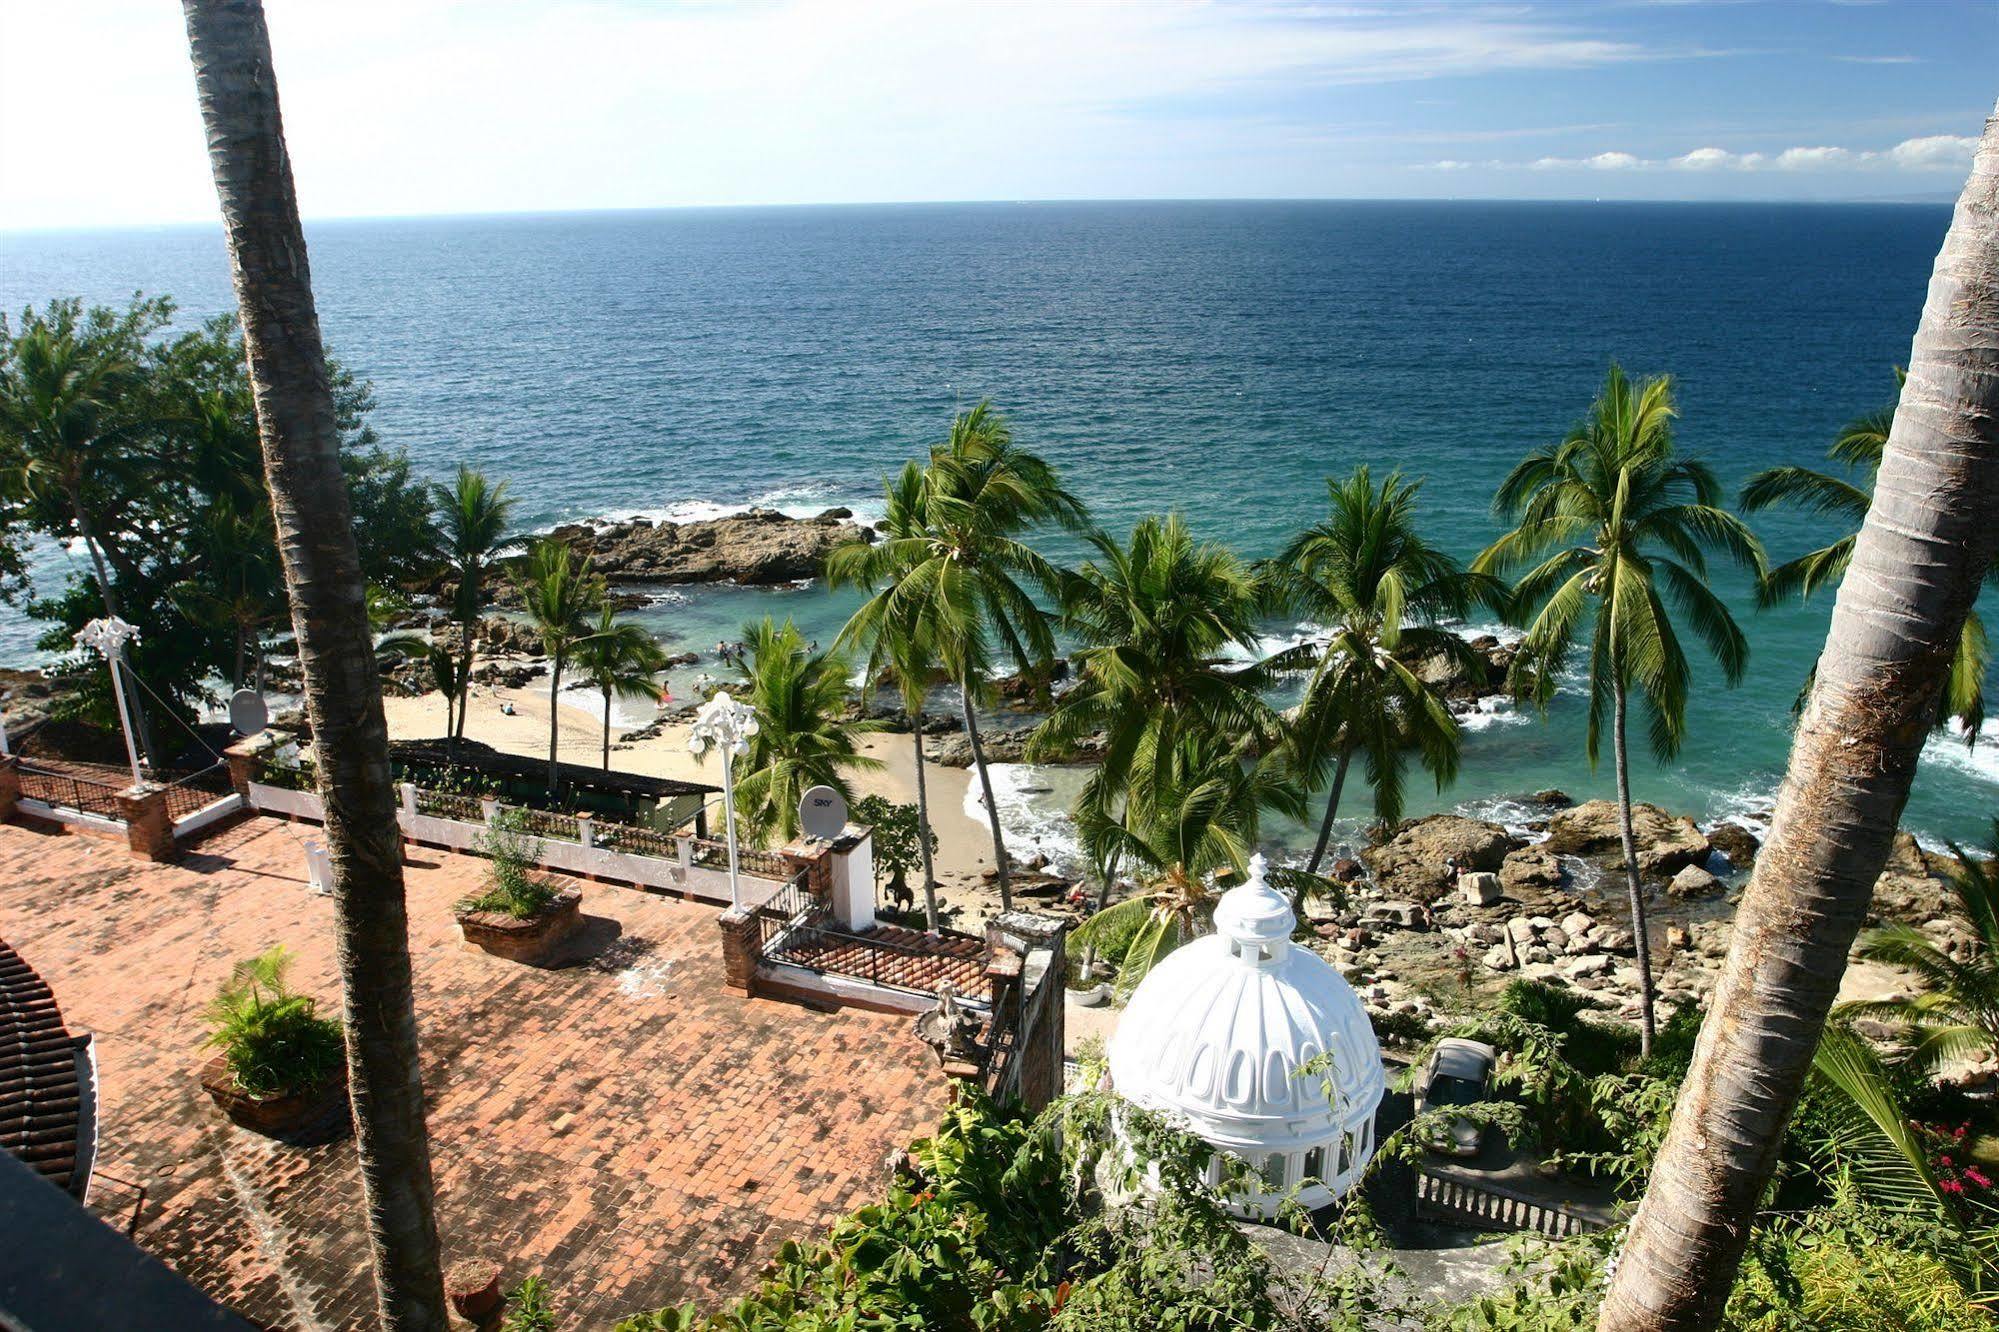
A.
pixel 1217 358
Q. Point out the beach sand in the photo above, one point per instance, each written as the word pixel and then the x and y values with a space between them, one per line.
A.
pixel 964 846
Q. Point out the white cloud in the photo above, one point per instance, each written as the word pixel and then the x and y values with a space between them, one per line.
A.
pixel 1806 159
pixel 1935 152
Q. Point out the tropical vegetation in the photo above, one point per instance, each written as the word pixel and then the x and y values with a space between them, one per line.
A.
pixel 514 884
pixel 621 660
pixel 1610 525
pixel 273 1039
pixel 804 736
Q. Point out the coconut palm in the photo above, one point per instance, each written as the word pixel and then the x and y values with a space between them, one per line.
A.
pixel 299 428
pixel 445 668
pixel 1919 561
pixel 963 576
pixel 472 516
pixel 897 646
pixel 1194 822
pixel 1611 523
pixel 1956 1011
pixel 623 661
pixel 804 737
pixel 561 597
pixel 1164 622
pixel 1367 576
pixel 1858 448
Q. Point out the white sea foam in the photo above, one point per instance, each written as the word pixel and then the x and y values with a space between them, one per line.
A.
pixel 626 714
pixel 1032 818
pixel 1494 710
pixel 1979 761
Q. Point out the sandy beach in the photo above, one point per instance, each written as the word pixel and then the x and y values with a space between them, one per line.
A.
pixel 964 847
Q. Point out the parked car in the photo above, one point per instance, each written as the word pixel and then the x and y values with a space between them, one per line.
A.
pixel 1458 1072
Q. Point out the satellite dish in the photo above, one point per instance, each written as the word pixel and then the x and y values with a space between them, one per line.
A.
pixel 822 813
pixel 247 712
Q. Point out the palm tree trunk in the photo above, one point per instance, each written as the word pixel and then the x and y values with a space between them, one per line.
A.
pixel 923 826
pixel 554 720
pixel 1332 809
pixel 992 807
pixel 1928 541
pixel 231 51
pixel 1636 891
pixel 607 729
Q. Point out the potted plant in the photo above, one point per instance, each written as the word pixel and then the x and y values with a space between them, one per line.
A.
pixel 473 1285
pixel 522 915
pixel 282 1068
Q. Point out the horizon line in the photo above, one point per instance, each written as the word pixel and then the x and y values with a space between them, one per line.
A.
pixel 1941 199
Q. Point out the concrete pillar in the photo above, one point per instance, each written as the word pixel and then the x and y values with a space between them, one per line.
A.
pixel 739 949
pixel 815 858
pixel 319 868
pixel 149 831
pixel 853 878
pixel 490 808
pixel 10 785
pixel 406 791
pixel 246 761
pixel 586 830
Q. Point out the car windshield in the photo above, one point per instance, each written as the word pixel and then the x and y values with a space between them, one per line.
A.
pixel 1453 1091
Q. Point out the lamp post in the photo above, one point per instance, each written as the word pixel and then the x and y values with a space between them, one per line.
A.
pixel 108 637
pixel 724 724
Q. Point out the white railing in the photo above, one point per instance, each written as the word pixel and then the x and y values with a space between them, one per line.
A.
pixel 683 873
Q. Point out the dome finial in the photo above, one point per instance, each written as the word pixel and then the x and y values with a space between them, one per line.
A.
pixel 1253 912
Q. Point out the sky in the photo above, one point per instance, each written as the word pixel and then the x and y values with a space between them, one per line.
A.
pixel 412 107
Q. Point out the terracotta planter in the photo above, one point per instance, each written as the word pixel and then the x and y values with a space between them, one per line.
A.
pixel 277 1116
pixel 533 940
pixel 474 1288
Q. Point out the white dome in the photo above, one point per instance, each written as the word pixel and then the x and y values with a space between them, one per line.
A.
pixel 1215 1036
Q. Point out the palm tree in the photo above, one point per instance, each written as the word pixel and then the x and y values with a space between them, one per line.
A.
pixel 1859 447
pixel 1626 520
pixel 1956 1013
pixel 804 738
pixel 472 517
pixel 897 645
pixel 561 597
pixel 1194 821
pixel 446 669
pixel 623 661
pixel 1917 566
pixel 962 576
pixel 1367 575
pixel 237 90
pixel 1158 619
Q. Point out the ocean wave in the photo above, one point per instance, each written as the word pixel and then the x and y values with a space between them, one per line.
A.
pixel 1979 761
pixel 625 714
pixel 1031 822
pixel 1494 710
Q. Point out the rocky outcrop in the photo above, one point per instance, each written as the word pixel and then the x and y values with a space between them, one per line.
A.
pixel 1415 861
pixel 1737 843
pixel 1009 746
pixel 760 547
pixel 1463 681
pixel 1665 843
pixel 1912 886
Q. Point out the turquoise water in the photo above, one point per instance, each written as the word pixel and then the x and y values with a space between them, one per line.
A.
pixel 1219 358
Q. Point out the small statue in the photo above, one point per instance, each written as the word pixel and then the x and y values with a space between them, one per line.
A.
pixel 951 1029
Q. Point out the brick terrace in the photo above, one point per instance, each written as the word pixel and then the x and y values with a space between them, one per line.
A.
pixel 625 1126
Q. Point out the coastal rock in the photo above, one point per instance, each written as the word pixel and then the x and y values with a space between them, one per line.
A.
pixel 1693 881
pixel 1414 862
pixel 1010 746
pixel 1736 842
pixel 1480 888
pixel 1530 868
pixel 1912 887
pixel 759 547
pixel 1481 673
pixel 1553 797
pixel 1666 844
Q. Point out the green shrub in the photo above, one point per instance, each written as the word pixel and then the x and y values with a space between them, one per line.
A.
pixel 513 887
pixel 530 1309
pixel 274 1041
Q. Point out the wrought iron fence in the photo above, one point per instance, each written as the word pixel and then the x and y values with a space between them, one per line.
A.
pixel 795 926
pixel 637 840
pixel 198 790
pixel 449 805
pixel 70 790
pixel 547 825
pixel 749 860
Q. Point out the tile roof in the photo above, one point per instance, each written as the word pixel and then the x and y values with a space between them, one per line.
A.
pixel 42 1116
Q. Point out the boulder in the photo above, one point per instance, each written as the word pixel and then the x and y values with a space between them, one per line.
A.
pixel 1665 843
pixel 1553 796
pixel 1693 881
pixel 1577 924
pixel 1911 888
pixel 1736 842
pixel 1479 888
pixel 1531 867
pixel 1414 862
pixel 1500 957
pixel 1402 915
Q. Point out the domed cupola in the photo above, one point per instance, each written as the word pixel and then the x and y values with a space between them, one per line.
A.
pixel 1215 1035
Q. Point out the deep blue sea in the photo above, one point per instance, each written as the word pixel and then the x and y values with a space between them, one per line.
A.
pixel 1218 358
